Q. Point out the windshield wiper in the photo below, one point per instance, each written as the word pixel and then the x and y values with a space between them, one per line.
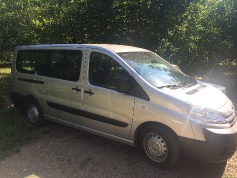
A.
pixel 168 86
pixel 189 82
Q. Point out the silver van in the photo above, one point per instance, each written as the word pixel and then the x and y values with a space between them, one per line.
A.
pixel 127 94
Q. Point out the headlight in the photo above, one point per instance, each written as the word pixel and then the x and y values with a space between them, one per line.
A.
pixel 207 115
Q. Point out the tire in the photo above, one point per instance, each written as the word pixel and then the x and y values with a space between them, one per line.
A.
pixel 34 112
pixel 160 146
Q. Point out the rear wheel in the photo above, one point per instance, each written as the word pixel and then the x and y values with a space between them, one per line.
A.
pixel 160 145
pixel 34 112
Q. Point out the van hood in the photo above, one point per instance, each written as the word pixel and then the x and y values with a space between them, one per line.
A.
pixel 207 96
pixel 201 94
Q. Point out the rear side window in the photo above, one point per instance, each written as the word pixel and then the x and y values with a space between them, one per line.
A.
pixel 25 62
pixel 61 64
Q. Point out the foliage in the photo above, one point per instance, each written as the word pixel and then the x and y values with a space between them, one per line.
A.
pixel 189 33
pixel 4 92
pixel 200 38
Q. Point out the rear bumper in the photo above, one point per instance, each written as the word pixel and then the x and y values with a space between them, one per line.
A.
pixel 219 146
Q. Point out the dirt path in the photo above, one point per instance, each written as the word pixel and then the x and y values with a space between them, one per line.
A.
pixel 69 153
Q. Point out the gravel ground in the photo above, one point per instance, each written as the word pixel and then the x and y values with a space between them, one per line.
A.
pixel 67 152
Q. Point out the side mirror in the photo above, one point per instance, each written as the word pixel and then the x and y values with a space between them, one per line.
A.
pixel 122 84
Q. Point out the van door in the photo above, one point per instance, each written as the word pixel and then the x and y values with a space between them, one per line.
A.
pixel 64 85
pixel 105 109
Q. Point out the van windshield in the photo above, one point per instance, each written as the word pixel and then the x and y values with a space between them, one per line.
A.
pixel 155 70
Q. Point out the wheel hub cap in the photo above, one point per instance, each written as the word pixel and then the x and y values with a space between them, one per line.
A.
pixel 33 114
pixel 155 147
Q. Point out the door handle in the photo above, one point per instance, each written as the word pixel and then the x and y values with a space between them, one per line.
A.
pixel 76 89
pixel 89 92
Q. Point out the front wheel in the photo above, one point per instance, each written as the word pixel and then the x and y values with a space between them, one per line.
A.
pixel 34 112
pixel 160 146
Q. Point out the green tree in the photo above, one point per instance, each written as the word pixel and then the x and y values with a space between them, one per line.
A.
pixel 189 32
pixel 200 37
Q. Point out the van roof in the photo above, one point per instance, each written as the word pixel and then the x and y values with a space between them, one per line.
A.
pixel 111 47
pixel 119 48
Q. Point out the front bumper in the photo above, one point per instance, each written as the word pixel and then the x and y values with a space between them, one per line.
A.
pixel 219 146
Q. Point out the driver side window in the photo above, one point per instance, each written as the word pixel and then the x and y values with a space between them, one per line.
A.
pixel 103 70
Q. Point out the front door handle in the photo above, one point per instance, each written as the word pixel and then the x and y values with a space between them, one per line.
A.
pixel 89 92
pixel 76 89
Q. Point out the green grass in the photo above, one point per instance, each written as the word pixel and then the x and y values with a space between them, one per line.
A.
pixel 15 130
pixel 4 71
